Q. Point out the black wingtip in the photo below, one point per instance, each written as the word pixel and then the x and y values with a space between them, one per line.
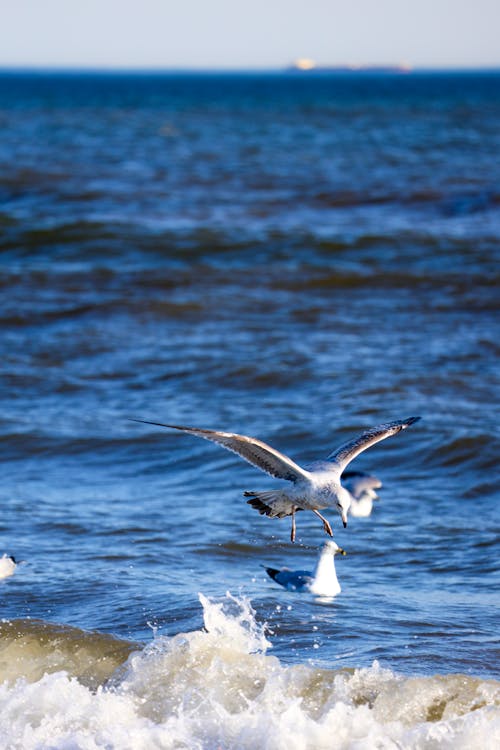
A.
pixel 271 572
pixel 147 421
pixel 412 420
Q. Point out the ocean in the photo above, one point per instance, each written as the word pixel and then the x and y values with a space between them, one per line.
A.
pixel 295 257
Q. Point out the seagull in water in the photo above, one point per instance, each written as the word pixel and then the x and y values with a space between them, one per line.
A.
pixel 362 488
pixel 323 582
pixel 7 565
pixel 313 487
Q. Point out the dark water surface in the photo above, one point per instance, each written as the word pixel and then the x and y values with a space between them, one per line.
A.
pixel 291 257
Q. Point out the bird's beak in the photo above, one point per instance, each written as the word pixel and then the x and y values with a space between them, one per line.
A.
pixel 342 551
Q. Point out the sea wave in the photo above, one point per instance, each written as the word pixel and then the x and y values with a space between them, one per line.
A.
pixel 30 649
pixel 219 687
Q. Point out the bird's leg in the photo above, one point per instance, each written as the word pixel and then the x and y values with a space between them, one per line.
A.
pixel 292 535
pixel 326 525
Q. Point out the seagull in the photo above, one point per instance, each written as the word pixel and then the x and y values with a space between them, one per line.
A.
pixel 323 582
pixel 7 565
pixel 362 488
pixel 314 487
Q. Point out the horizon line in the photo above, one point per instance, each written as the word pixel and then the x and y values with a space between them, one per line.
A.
pixel 320 69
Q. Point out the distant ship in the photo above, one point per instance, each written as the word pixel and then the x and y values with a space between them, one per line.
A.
pixel 306 65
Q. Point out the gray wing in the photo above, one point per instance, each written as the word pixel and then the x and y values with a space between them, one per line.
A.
pixel 358 482
pixel 252 450
pixel 343 455
pixel 291 579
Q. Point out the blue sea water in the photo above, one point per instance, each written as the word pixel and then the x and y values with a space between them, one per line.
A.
pixel 295 257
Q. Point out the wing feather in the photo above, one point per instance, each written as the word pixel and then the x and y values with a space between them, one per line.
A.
pixel 345 454
pixel 358 482
pixel 254 451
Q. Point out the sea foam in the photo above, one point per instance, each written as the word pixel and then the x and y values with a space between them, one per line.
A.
pixel 219 687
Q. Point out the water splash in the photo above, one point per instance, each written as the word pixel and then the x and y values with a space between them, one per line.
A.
pixel 218 687
pixel 234 618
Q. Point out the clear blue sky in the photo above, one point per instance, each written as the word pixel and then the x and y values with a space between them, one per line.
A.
pixel 248 33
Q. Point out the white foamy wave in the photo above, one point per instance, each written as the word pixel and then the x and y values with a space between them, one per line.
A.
pixel 219 688
pixel 234 618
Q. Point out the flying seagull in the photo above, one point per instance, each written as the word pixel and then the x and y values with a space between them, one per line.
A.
pixel 314 487
pixel 322 582
pixel 362 489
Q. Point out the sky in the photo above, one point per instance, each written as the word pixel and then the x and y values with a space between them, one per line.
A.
pixel 248 34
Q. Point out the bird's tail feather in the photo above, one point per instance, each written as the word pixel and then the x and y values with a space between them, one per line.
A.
pixel 272 503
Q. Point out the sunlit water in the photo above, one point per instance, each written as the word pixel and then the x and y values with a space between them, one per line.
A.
pixel 291 257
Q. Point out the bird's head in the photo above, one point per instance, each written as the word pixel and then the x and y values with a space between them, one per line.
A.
pixel 343 503
pixel 333 548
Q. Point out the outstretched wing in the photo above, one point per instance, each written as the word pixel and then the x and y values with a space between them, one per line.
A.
pixel 252 450
pixel 357 482
pixel 343 455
